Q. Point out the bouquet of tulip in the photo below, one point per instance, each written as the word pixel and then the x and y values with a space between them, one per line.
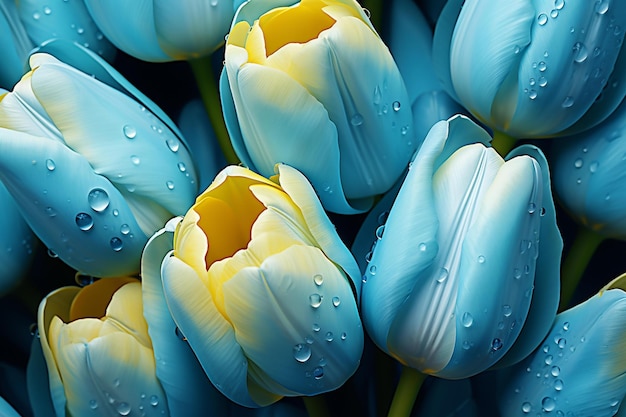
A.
pixel 405 208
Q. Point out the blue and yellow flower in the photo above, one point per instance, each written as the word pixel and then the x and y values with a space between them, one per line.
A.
pixel 263 289
pixel 312 85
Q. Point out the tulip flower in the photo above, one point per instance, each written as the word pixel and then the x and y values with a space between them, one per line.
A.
pixel 467 262
pixel 14 44
pixel 98 352
pixel 159 31
pixel 263 289
pixel 580 367
pixel 589 174
pixel 6 410
pixel 531 69
pixel 316 76
pixel 93 171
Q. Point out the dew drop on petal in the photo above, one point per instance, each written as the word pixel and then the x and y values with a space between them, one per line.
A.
pixel 123 409
pixel 467 319
pixel 93 404
pixel 50 165
pixel 84 221
pixel 496 344
pixel 548 404
pixel 154 400
pixel 336 301
pixel 526 407
pixel 315 300
pixel 396 106
pixel 318 372
pixel 129 131
pixel 542 19
pixel 98 199
pixel 116 244
pixel 318 279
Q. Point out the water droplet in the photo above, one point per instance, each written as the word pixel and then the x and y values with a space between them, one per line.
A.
pixel 129 131
pixel 422 247
pixel 601 6
pixel 554 13
pixel 496 344
pixel 548 404
pixel 172 144
pixel 555 371
pixel 567 102
pixel 336 301
pixel 377 95
pixel 169 185
pixel 179 334
pixel 580 52
pixel 316 327
pixel 123 409
pixel 593 167
pixel 506 310
pixel 315 300
pixel 526 407
pixel 301 352
pixel 532 207
pixel 566 326
pixel 84 221
pixel 541 66
pixel 318 279
pixel 329 336
pixel 93 404
pixel 466 345
pixel 517 273
pixel 548 359
pixel 543 81
pixel 116 212
pixel 135 159
pixel 559 4
pixel 318 372
pixel 116 244
pixel 344 335
pixel 542 19
pixel 50 165
pixel 481 259
pixel 516 49
pixel 356 120
pixel 154 400
pixel 98 199
pixel 467 319
pixel 379 232
pixel 561 343
pixel 443 275
pixel 558 385
pixel 578 163
pixel 395 106
pixel 372 269
pixel 36 16
pixel 532 94
pixel 182 167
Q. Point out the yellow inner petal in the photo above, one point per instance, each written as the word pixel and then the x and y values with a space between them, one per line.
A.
pixel 296 24
pixel 226 217
pixel 92 300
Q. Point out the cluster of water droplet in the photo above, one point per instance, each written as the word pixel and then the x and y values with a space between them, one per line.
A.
pixel 145 405
pixel 383 108
pixel 378 235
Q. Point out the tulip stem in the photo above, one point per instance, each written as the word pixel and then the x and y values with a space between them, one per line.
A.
pixel 502 142
pixel 583 247
pixel 203 73
pixel 316 406
pixel 406 392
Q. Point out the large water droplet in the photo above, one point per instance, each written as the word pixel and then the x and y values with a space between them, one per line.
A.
pixel 98 199
pixel 467 319
pixel 116 244
pixel 93 404
pixel 396 106
pixel 301 352
pixel 123 409
pixel 129 131
pixel 443 275
pixel 496 344
pixel 526 407
pixel 318 372
pixel 558 384
pixel 336 301
pixel 84 221
pixel 50 165
pixel 315 300
pixel 329 336
pixel 578 163
pixel 542 19
pixel 481 259
pixel 601 6
pixel 506 310
pixel 169 185
pixel 172 144
pixel 356 120
pixel 567 102
pixel 555 371
pixel 154 400
pixel 580 52
pixel 548 404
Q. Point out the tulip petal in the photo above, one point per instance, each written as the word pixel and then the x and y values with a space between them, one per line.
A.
pixel 14 44
pixel 192 31
pixel 6 410
pixel 38 383
pixel 489 89
pixel 188 390
pixel 94 243
pixel 299 189
pixel 545 299
pixel 133 31
pixel 589 336
pixel 210 336
pixel 442 39
pixel 307 358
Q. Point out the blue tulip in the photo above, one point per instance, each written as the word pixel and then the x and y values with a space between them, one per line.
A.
pixel 159 31
pixel 6 410
pixel 589 174
pixel 533 69
pixel 580 368
pixel 16 243
pixel 94 167
pixel 466 266
pixel 312 85
pixel 14 44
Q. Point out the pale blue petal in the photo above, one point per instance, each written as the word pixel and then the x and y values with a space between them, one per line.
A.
pixel 188 390
pixel 6 410
pixel 37 382
pixel 446 398
pixel 210 336
pixel 431 107
pixel 204 149
pixel 132 31
pixel 51 184
pixel 572 56
pixel 545 298
pixel 484 56
pixel 193 28
pixel 45 20
pixel 16 243
pixel 312 329
pixel 588 337
pixel 14 44
pixel 442 40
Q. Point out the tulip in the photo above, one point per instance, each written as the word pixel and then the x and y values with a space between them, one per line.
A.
pixel 98 352
pixel 580 368
pixel 94 167
pixel 6 410
pixel 533 70
pixel 589 174
pixel 14 44
pixel 467 262
pixel 16 243
pixel 315 75
pixel 263 289
pixel 160 31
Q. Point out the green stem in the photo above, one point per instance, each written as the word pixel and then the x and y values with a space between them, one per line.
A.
pixel 583 247
pixel 316 406
pixel 502 142
pixel 203 72
pixel 406 392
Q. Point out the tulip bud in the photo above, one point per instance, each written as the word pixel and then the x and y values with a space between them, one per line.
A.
pixel 316 76
pixel 98 352
pixel 93 171
pixel 263 289
pixel 470 241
